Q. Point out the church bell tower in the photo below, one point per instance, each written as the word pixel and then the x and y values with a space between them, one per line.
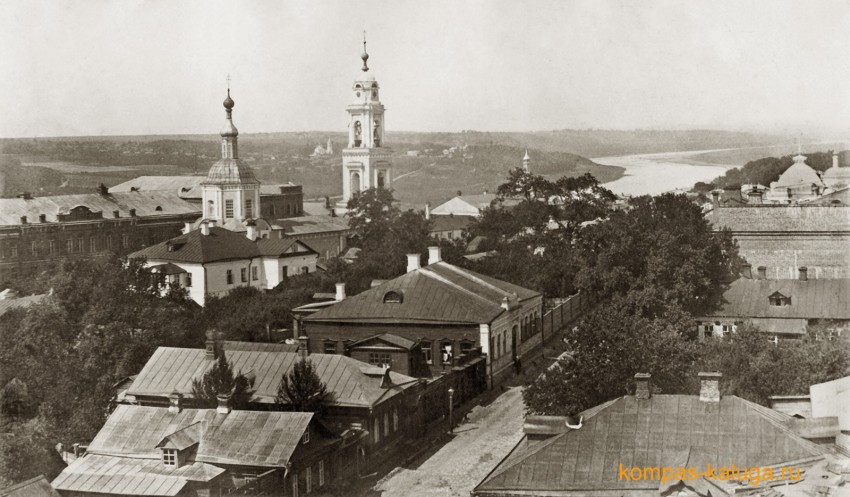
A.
pixel 366 162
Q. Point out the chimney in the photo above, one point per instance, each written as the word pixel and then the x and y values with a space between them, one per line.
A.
pixel 102 189
pixel 205 229
pixel 252 230
pixel 506 303
pixel 642 386
pixel 211 222
pixel 340 292
pixel 747 271
pixel 187 227
pixel 804 273
pixel 23 220
pixel 412 262
pixel 132 212
pixel 223 403
pixel 434 255
pixel 116 214
pixel 42 218
pixel 709 387
pixel 427 210
pixel 174 402
pixel 25 195
pixel 386 381
pixel 212 337
pixel 303 346
pixel 715 197
pixel 762 272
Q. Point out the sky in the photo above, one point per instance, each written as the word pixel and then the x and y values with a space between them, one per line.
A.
pixel 132 67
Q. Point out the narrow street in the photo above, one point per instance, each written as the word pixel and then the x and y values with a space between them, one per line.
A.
pixel 475 449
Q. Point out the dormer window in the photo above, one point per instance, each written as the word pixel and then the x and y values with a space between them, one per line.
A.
pixel 393 298
pixel 169 457
pixel 778 300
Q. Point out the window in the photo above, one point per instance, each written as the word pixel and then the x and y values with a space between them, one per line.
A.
pixel 305 269
pixel 243 273
pixel 446 352
pixel 210 208
pixel 321 473
pixel 305 438
pixel 284 272
pixel 376 430
pixel 69 246
pixel 294 484
pixel 93 244
pixel 13 248
pixel 255 273
pixel 188 280
pixel 308 479
pixel 386 424
pixel 380 358
pixel 426 352
pixel 108 242
pixel 229 276
pixel 393 298
pixel 330 348
pixel 395 419
pixel 169 457
pixel 34 248
pixel 51 247
pixel 125 241
pixel 81 245
pixel 249 207
pixel 228 209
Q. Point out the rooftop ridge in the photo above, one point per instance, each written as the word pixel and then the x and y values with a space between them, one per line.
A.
pixel 472 277
pixel 431 274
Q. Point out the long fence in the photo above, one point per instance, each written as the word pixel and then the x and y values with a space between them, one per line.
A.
pixel 565 313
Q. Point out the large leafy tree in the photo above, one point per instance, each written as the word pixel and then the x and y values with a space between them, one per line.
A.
pixel 301 389
pixel 221 379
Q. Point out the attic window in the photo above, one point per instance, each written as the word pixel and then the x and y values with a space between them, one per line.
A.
pixel 305 438
pixel 393 298
pixel 169 457
pixel 779 300
pixel 158 208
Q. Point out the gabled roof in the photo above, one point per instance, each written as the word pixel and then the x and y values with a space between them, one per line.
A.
pixel 387 339
pixel 195 247
pixel 94 474
pixel 18 302
pixel 242 438
pixel 188 187
pixel 811 299
pixel 172 369
pixel 145 204
pixel 450 223
pixel 439 293
pixel 665 430
pixel 34 487
pixel 782 218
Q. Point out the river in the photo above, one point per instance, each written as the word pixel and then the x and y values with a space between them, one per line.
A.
pixel 652 174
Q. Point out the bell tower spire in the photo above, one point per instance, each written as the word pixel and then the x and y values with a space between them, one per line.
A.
pixel 366 161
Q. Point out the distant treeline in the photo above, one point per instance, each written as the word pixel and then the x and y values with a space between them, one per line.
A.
pixel 764 171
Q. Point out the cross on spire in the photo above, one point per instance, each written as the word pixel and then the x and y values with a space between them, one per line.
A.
pixel 228 81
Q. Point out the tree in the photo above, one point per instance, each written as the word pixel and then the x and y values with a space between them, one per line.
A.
pixel 301 389
pixel 221 380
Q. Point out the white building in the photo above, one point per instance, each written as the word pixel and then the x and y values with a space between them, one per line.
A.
pixel 213 261
pixel 366 163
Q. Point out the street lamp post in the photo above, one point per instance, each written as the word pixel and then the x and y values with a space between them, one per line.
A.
pixel 451 408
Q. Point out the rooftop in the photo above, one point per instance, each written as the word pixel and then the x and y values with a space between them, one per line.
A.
pixel 782 218
pixel 810 299
pixel 303 225
pixel 664 430
pixel 450 223
pixel 185 186
pixel 439 293
pixel 34 487
pixel 172 369
pixel 16 303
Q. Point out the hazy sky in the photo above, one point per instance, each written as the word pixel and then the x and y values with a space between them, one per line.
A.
pixel 159 66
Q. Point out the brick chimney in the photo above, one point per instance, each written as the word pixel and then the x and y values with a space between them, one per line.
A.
pixel 132 212
pixel 715 198
pixel 340 292
pixel 709 386
pixel 642 386
pixel 747 271
pixel 251 228
pixel 412 262
pixel 434 255
pixel 212 338
pixel 102 190
pixel 762 272
pixel 804 273
pixel 303 346
pixel 223 403
pixel 116 214
pixel 23 220
pixel 187 227
pixel 42 218
pixel 175 402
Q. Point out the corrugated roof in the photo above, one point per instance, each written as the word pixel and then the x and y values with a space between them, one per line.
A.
pixel 145 204
pixel 185 186
pixel 438 293
pixel 811 299
pixel 782 218
pixel 665 430
pixel 172 370
pixel 126 476
pixel 34 487
pixel 247 438
pixel 7 304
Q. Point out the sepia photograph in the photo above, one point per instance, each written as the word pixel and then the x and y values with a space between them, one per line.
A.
pixel 391 248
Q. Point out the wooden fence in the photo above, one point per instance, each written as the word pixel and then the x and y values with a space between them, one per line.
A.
pixel 565 313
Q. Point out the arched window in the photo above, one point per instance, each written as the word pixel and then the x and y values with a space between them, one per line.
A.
pixel 355 183
pixel 381 179
pixel 158 208
pixel 393 298
pixel 358 133
pixel 210 208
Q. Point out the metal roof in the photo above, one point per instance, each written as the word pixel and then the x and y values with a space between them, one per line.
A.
pixel 34 487
pixel 302 225
pixel 243 438
pixel 665 430
pixel 185 186
pixel 7 304
pixel 129 476
pixel 782 218
pixel 172 369
pixel 144 203
pixel 231 171
pixel 439 293
pixel 219 245
pixel 810 299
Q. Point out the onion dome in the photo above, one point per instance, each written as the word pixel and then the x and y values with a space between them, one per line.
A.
pixel 228 102
pixel 229 129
